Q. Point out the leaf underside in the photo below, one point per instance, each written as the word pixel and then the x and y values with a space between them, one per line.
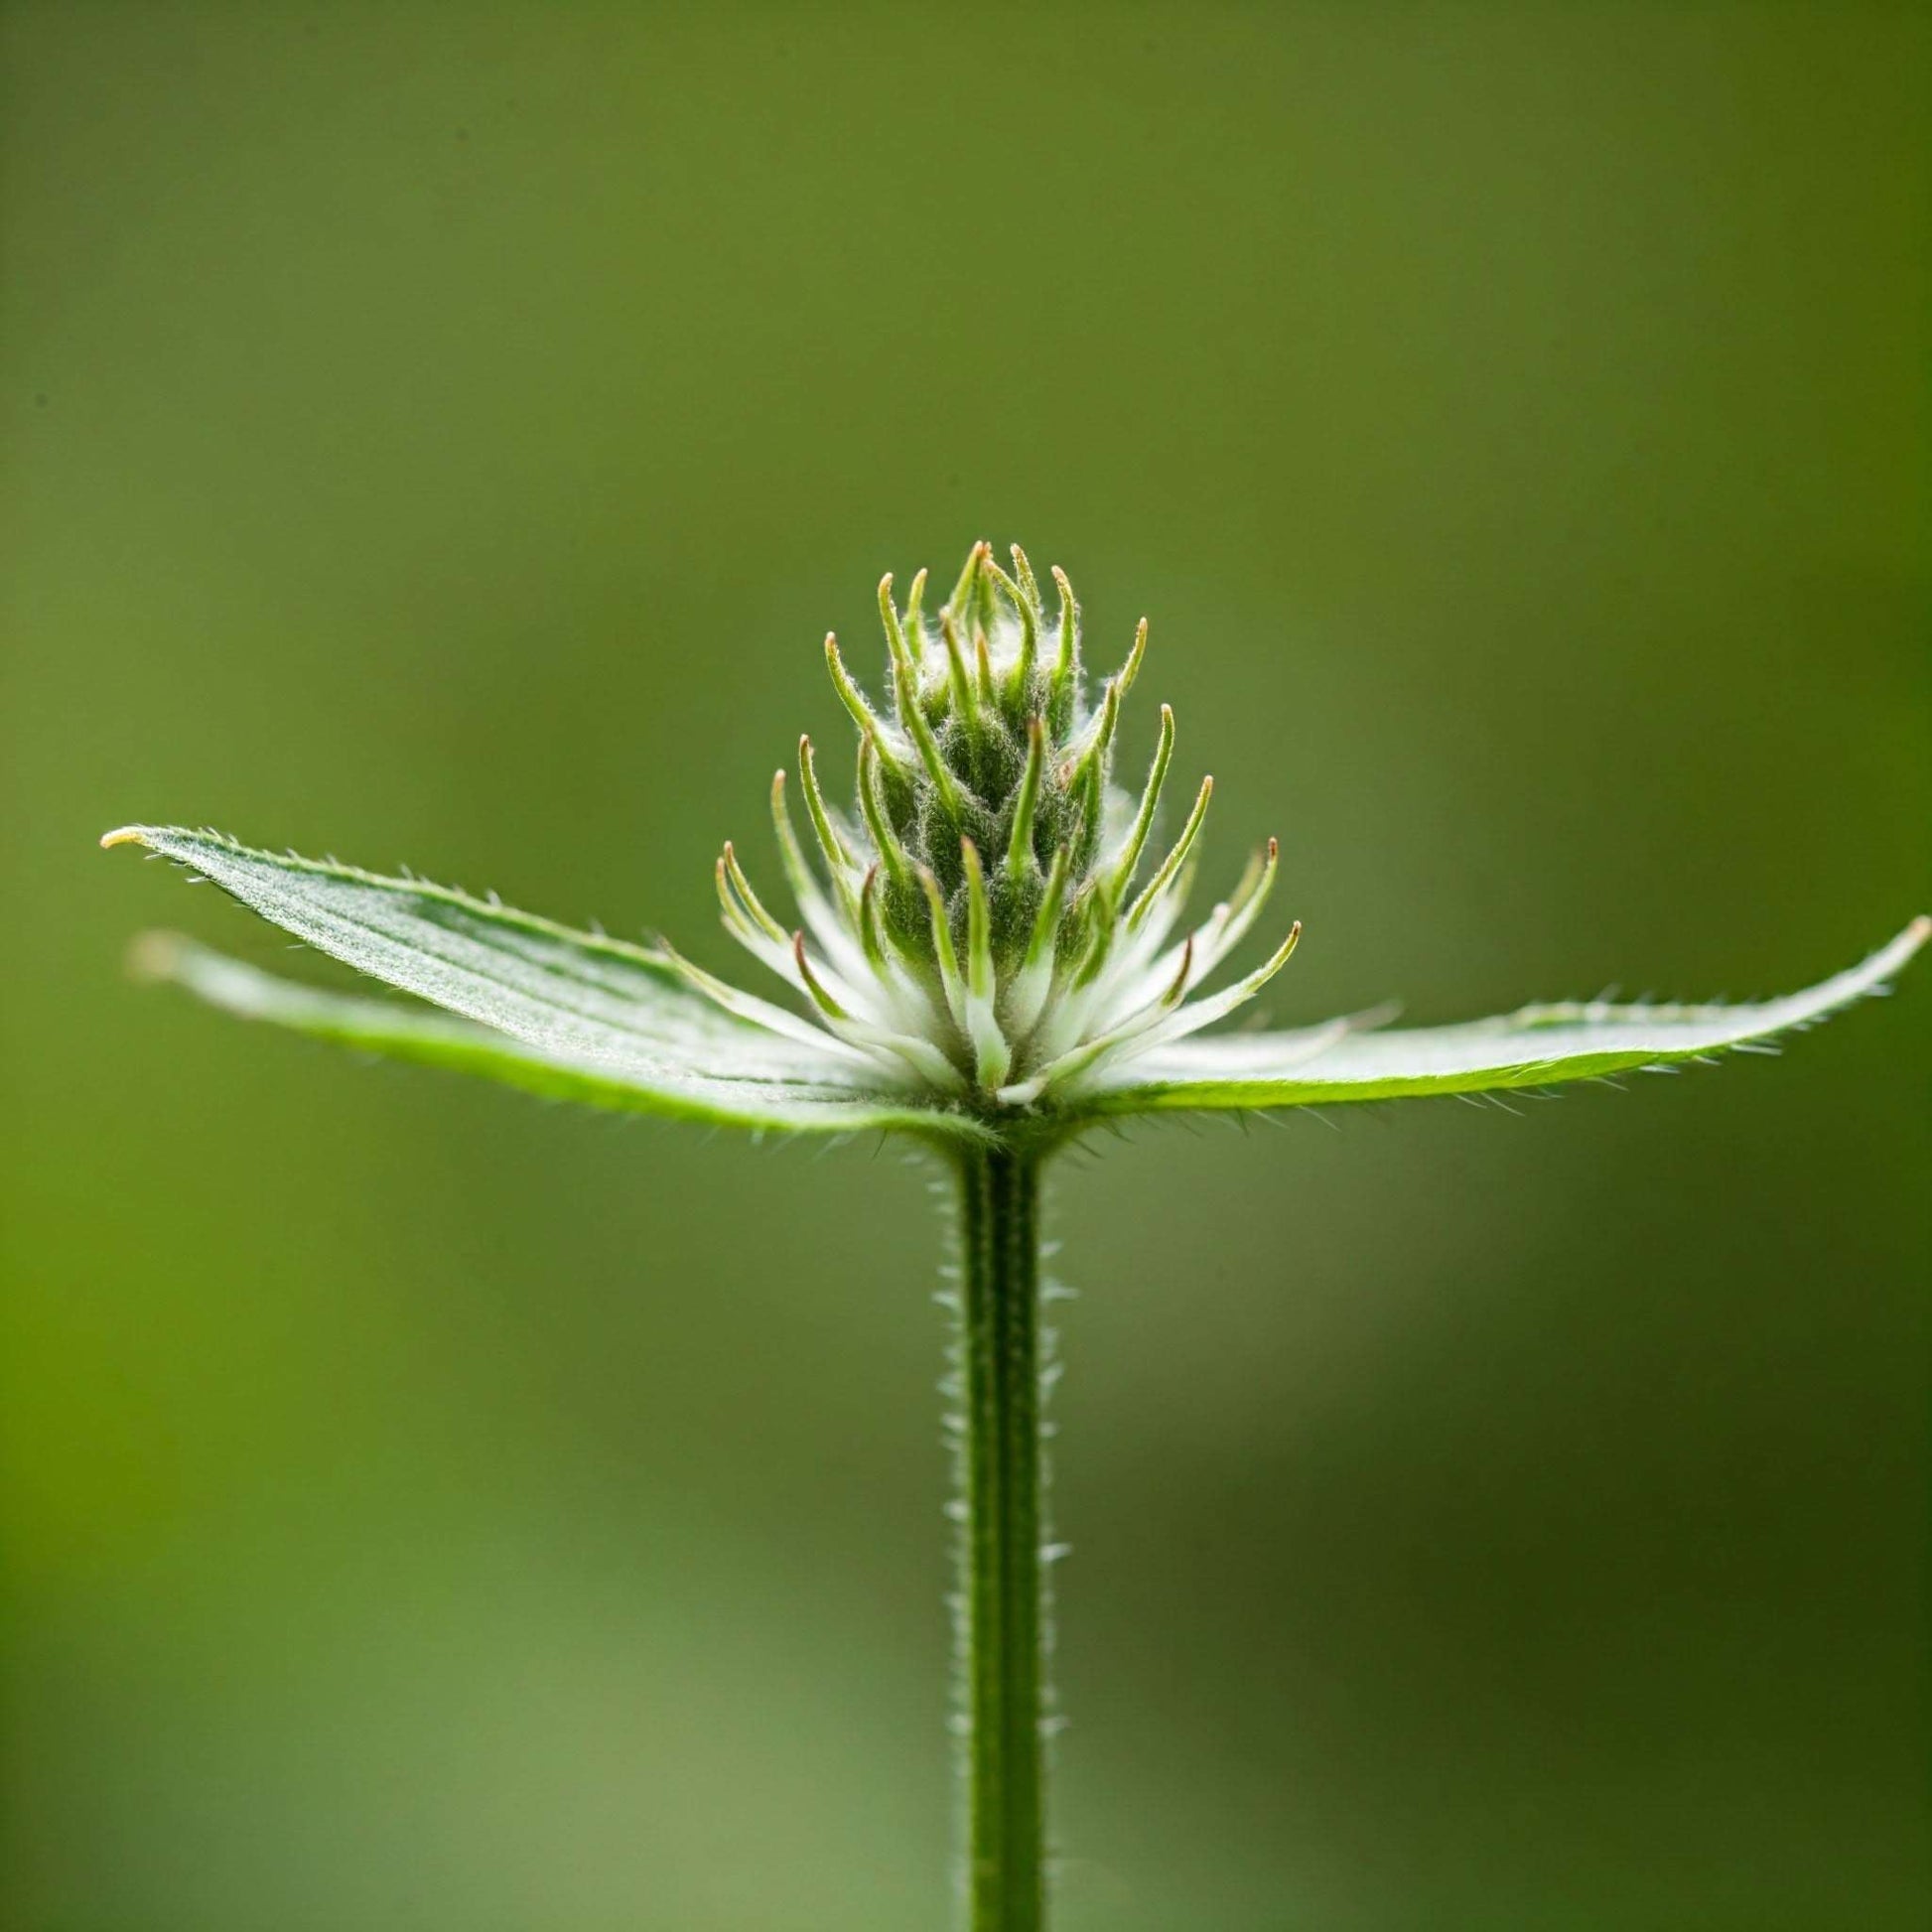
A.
pixel 574 1015
pixel 1538 1046
pixel 582 1017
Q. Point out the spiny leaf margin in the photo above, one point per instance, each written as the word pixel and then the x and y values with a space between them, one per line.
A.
pixel 1342 1061
pixel 576 1015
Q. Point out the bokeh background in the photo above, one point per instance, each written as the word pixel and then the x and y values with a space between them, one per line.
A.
pixel 441 434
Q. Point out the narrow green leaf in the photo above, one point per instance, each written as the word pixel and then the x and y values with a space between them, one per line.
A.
pixel 573 1014
pixel 1539 1046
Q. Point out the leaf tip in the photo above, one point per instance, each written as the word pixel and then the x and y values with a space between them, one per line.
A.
pixel 153 957
pixel 124 835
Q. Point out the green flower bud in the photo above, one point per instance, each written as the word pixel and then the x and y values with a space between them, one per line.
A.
pixel 982 935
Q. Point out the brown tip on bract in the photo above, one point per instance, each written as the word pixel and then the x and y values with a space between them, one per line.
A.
pixel 122 835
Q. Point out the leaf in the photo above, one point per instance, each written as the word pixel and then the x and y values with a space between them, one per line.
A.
pixel 1539 1046
pixel 575 1014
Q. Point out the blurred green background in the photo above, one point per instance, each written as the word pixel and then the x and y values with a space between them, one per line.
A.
pixel 441 434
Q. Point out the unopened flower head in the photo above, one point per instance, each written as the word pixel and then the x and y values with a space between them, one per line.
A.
pixel 993 922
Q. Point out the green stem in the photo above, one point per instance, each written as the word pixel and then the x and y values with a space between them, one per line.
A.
pixel 1000 1613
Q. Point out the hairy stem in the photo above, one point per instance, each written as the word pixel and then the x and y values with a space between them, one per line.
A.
pixel 1001 1619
